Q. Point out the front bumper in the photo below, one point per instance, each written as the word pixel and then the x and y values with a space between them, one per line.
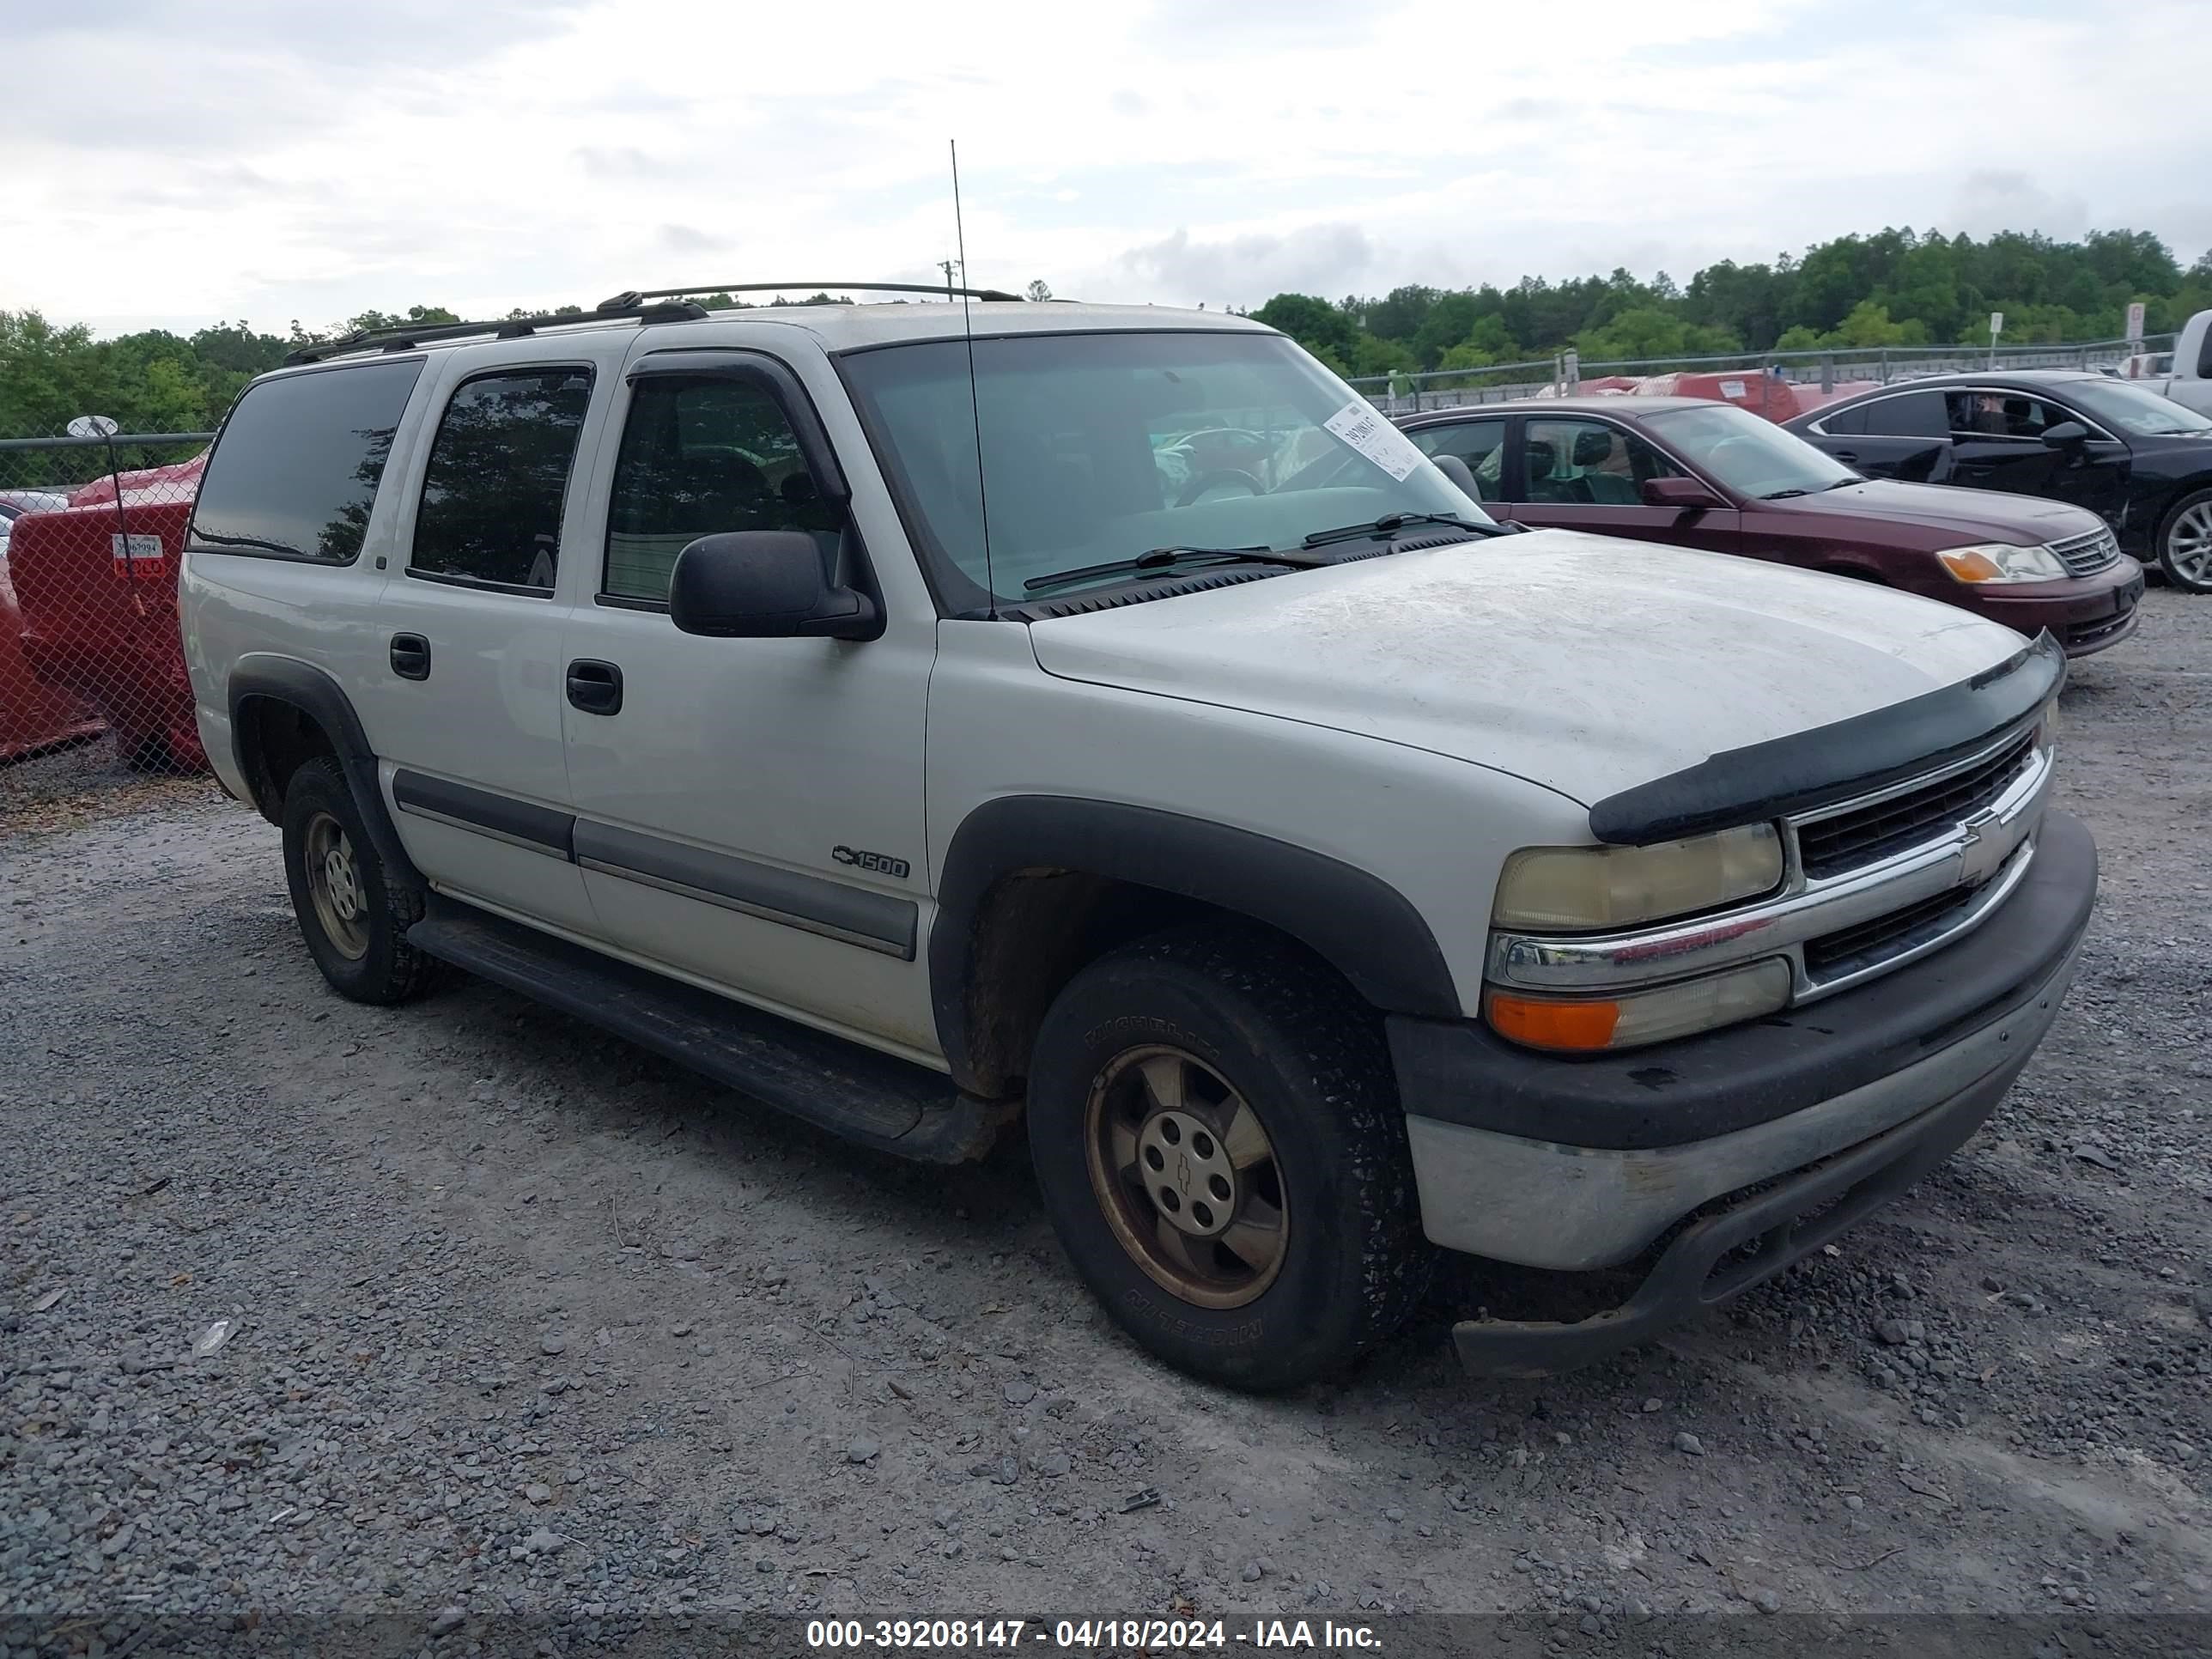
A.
pixel 1722 1253
pixel 2085 616
pixel 1574 1165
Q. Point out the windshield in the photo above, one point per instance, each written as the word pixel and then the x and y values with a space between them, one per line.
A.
pixel 1100 448
pixel 2132 409
pixel 1749 455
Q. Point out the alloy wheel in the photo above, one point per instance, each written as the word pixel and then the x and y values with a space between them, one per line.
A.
pixel 2189 544
pixel 1187 1176
pixel 334 882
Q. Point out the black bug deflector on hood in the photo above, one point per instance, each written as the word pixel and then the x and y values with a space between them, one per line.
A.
pixel 1832 763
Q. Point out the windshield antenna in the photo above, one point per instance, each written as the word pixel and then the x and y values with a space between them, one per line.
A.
pixel 975 403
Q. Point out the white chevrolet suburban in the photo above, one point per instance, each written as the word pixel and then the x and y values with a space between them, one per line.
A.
pixel 917 716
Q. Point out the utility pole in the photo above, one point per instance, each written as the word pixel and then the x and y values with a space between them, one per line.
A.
pixel 946 265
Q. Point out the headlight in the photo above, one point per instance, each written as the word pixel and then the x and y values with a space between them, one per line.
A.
pixel 2000 561
pixel 1592 887
pixel 1589 1024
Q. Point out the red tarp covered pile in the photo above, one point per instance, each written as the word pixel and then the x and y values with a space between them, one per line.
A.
pixel 99 615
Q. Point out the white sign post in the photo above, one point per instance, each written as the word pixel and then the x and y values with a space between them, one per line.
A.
pixel 1997 327
pixel 101 428
pixel 2135 327
pixel 1574 373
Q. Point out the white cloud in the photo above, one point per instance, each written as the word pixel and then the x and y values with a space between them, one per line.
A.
pixel 2002 198
pixel 268 159
pixel 1314 258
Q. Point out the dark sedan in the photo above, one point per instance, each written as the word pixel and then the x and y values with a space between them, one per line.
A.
pixel 1694 473
pixel 2141 462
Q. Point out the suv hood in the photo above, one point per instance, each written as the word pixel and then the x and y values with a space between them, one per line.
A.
pixel 1582 663
pixel 1954 517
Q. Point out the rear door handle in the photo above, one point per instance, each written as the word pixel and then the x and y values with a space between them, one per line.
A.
pixel 410 656
pixel 595 687
pixel 1845 454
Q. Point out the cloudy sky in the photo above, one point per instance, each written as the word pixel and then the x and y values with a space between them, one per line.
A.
pixel 170 162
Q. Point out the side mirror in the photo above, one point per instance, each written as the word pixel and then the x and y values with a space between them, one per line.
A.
pixel 2065 434
pixel 1685 495
pixel 1459 473
pixel 765 585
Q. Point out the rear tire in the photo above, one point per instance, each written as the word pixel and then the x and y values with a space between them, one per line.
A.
pixel 1216 1130
pixel 2185 543
pixel 353 914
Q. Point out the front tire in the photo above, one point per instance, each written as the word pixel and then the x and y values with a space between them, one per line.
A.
pixel 2185 543
pixel 1216 1130
pixel 352 912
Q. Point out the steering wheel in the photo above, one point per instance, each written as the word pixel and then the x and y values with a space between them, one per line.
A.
pixel 1217 478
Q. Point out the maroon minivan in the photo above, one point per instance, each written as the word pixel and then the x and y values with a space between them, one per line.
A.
pixel 1692 473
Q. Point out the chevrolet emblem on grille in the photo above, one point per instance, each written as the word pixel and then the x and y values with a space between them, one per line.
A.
pixel 1984 854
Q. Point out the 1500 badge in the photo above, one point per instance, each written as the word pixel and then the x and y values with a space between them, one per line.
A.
pixel 882 863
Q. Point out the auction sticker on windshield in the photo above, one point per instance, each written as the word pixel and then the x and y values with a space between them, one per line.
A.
pixel 1359 424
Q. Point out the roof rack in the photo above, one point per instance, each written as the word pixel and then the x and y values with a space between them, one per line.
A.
pixel 634 295
pixel 405 337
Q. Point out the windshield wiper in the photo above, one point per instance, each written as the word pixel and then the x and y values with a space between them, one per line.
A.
pixel 1391 522
pixel 1160 557
pixel 1783 495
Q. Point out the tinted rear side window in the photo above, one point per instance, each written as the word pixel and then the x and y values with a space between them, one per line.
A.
pixel 295 471
pixel 497 475
pixel 1914 415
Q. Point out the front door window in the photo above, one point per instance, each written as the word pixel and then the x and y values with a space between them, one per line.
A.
pixel 1586 463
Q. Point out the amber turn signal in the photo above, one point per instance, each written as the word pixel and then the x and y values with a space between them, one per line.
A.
pixel 1543 1023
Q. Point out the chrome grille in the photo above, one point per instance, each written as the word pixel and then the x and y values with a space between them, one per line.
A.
pixel 1834 846
pixel 1871 942
pixel 2085 555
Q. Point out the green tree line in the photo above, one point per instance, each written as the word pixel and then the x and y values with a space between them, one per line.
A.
pixel 1900 287
pixel 1893 287
pixel 158 381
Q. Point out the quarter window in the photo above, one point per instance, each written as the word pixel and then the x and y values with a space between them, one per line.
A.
pixel 701 456
pixel 498 473
pixel 1910 415
pixel 296 473
pixel 1481 444
pixel 1588 463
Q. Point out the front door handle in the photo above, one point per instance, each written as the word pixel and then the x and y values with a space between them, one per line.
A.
pixel 410 656
pixel 1845 454
pixel 595 687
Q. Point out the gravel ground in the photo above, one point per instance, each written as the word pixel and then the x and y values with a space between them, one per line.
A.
pixel 458 1312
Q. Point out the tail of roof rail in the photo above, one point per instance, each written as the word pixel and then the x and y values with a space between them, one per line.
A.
pixel 405 337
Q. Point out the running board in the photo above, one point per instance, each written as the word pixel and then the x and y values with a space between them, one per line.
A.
pixel 869 1097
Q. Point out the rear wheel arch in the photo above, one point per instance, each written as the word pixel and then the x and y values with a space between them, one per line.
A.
pixel 284 712
pixel 2193 498
pixel 1034 887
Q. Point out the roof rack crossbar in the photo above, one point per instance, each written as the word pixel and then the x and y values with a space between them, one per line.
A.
pixel 405 337
pixel 632 296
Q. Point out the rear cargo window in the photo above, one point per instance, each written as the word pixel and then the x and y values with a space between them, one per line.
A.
pixel 296 471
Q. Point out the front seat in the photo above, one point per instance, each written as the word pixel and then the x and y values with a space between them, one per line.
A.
pixel 1540 458
pixel 1594 449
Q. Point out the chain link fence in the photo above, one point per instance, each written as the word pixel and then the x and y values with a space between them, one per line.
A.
pixel 1828 371
pixel 93 688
